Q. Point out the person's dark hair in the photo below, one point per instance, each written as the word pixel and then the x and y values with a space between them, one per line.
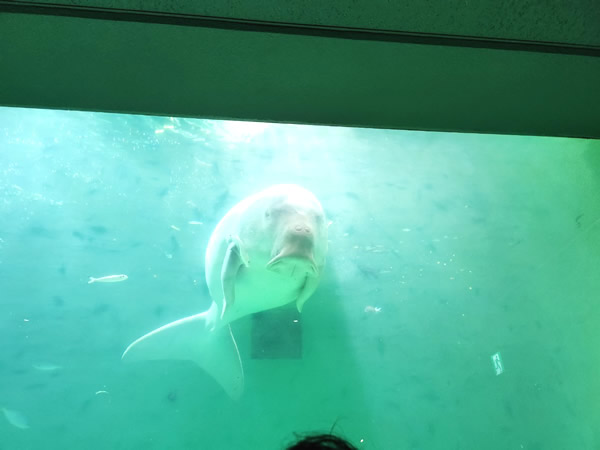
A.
pixel 321 442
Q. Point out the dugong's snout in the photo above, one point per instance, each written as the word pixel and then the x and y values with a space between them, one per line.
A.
pixel 294 253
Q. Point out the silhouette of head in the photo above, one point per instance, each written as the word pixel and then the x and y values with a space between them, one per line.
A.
pixel 322 442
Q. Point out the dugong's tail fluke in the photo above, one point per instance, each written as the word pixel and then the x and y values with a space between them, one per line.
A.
pixel 193 339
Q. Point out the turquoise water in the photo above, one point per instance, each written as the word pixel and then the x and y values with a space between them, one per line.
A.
pixel 444 250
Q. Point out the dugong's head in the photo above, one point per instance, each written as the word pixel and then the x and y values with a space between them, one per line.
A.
pixel 294 220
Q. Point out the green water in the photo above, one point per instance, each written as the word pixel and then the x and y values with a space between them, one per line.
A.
pixel 444 250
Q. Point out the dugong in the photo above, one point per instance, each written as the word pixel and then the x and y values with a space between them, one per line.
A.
pixel 267 251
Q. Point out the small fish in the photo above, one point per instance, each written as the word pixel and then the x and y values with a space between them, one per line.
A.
pixel 108 279
pixel 372 309
pixel 194 222
pixel 175 228
pixel 15 418
pixel 46 367
pixel 202 163
pixel 101 392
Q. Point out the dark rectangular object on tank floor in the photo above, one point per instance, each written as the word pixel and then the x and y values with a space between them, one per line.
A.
pixel 277 334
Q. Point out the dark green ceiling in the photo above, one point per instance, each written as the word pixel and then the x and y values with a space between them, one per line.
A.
pixel 495 67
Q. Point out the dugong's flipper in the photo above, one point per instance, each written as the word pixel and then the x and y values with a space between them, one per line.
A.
pixel 195 339
pixel 235 257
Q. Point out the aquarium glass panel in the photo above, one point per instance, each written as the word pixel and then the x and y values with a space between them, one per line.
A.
pixel 174 283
